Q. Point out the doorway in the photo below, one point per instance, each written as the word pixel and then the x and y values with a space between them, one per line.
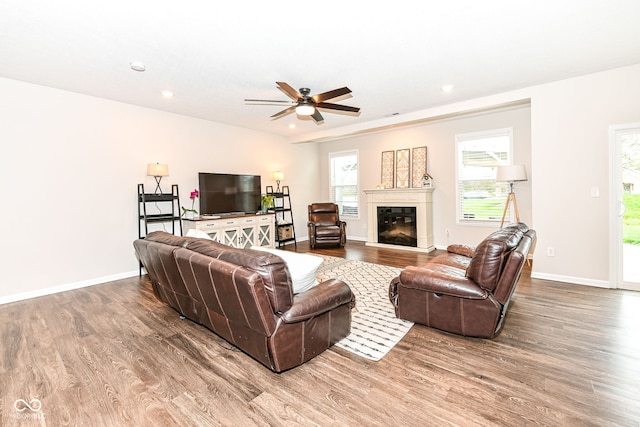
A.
pixel 625 192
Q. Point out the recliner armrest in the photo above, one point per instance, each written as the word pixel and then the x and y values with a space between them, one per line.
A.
pixel 466 250
pixel 321 298
pixel 441 279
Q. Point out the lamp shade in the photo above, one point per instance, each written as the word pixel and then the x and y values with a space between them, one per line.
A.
pixel 511 173
pixel 156 169
pixel 277 176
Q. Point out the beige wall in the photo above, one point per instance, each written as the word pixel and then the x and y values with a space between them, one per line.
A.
pixel 439 138
pixel 70 166
pixel 569 155
pixel 570 122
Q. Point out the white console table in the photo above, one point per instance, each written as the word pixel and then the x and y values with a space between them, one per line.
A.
pixel 420 198
pixel 239 231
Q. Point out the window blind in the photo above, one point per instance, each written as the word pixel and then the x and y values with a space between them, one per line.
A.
pixel 479 197
pixel 344 181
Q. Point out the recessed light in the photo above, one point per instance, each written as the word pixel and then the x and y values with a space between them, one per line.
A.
pixel 137 66
pixel 447 88
pixel 292 126
pixel 167 94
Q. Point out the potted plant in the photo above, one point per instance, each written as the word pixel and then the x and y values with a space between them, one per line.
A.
pixel 266 201
pixel 191 213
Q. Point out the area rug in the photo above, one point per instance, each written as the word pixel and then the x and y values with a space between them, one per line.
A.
pixel 375 330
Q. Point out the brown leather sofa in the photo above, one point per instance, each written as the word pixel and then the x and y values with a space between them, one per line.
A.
pixel 245 296
pixel 467 290
pixel 325 226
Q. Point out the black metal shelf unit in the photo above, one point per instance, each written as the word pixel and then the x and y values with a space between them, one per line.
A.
pixel 285 230
pixel 173 216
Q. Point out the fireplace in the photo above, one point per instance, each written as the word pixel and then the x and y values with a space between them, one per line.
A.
pixel 406 220
pixel 397 225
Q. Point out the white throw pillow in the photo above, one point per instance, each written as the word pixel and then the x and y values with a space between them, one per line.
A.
pixel 303 267
pixel 198 233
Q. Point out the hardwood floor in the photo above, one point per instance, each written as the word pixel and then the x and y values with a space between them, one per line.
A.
pixel 112 355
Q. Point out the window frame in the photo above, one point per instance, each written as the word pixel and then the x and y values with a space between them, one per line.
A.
pixel 345 153
pixel 472 136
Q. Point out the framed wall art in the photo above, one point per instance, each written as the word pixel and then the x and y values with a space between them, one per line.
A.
pixel 418 166
pixel 403 168
pixel 387 169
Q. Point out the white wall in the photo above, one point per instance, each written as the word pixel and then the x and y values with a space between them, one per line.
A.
pixel 570 122
pixel 71 164
pixel 439 138
pixel 69 170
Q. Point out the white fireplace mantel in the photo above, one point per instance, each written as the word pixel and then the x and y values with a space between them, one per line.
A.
pixel 420 198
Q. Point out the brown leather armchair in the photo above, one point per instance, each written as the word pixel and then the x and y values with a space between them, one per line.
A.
pixel 466 290
pixel 325 226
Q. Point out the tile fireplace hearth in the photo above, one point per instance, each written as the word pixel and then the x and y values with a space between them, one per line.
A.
pixel 398 212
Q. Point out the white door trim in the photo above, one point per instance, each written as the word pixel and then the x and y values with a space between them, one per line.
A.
pixel 616 193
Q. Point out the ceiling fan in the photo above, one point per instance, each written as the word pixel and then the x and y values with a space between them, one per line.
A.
pixel 305 105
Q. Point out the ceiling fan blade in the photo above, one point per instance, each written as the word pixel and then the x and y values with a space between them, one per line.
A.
pixel 270 101
pixel 289 91
pixel 284 112
pixel 317 117
pixel 329 106
pixel 325 96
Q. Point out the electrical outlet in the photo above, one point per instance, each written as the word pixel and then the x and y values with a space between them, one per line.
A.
pixel 551 251
pixel 446 230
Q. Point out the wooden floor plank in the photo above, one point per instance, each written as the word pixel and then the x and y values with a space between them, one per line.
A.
pixel 112 355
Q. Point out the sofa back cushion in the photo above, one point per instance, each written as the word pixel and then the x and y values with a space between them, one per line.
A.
pixel 491 254
pixel 157 258
pixel 274 272
pixel 323 214
pixel 228 296
pixel 167 238
pixel 513 268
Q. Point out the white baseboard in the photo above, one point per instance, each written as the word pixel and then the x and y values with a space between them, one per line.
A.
pixel 66 287
pixel 86 283
pixel 575 280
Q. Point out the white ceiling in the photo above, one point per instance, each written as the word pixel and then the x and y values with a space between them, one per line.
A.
pixel 393 56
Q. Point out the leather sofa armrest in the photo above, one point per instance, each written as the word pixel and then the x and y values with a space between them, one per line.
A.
pixel 441 279
pixel 468 251
pixel 321 298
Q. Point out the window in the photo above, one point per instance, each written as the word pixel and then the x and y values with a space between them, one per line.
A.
pixel 480 199
pixel 343 183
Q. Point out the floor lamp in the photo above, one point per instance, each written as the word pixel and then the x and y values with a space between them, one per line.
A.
pixel 511 174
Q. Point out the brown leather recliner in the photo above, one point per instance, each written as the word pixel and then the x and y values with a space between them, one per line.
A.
pixel 325 226
pixel 467 290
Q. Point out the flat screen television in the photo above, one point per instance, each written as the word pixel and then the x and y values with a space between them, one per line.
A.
pixel 222 193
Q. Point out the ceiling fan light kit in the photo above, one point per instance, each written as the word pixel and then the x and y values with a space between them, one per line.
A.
pixel 307 106
pixel 305 110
